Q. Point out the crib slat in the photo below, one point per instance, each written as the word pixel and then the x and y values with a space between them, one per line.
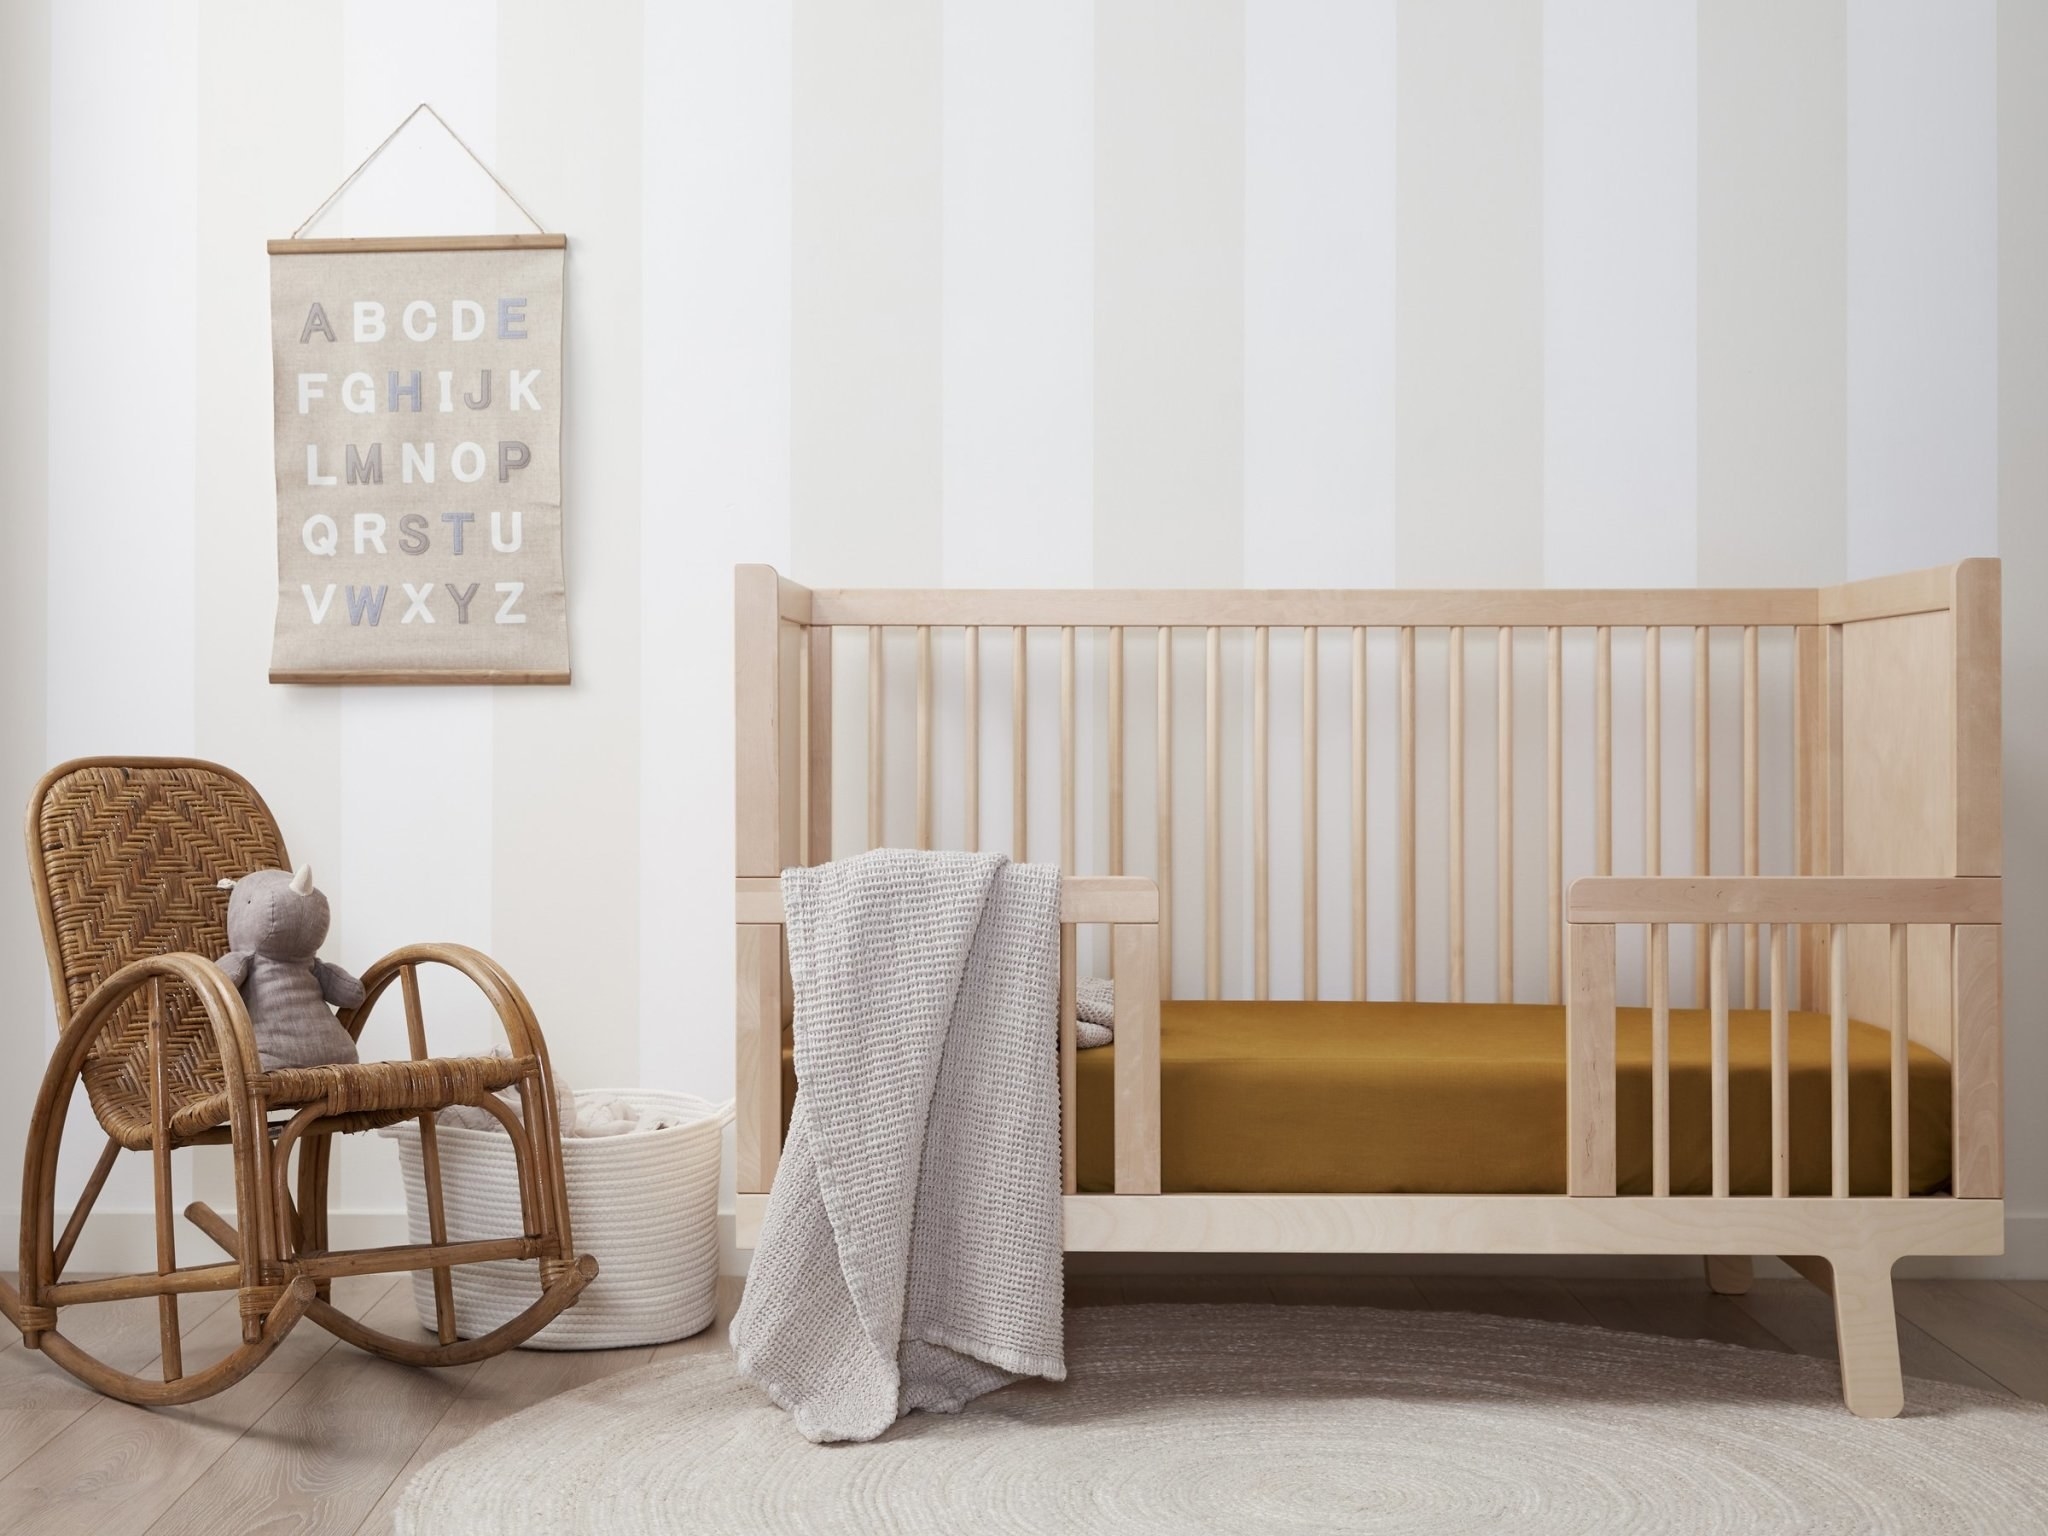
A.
pixel 970 749
pixel 1162 779
pixel 1504 776
pixel 1589 1063
pixel 1554 822
pixel 1659 957
pixel 1751 844
pixel 1978 1118
pixel 1838 1055
pixel 1020 710
pixel 1702 790
pixel 1261 874
pixel 1805 845
pixel 1603 751
pixel 924 735
pixel 1901 1163
pixel 1069 1060
pixel 1068 861
pixel 1138 961
pixel 1833 757
pixel 1702 787
pixel 1660 1059
pixel 1358 955
pixel 758 1054
pixel 874 736
pixel 818 747
pixel 1406 658
pixel 1311 920
pixel 1454 807
pixel 1653 751
pixel 1781 1082
pixel 1212 794
pixel 1116 749
pixel 1717 993
pixel 803 751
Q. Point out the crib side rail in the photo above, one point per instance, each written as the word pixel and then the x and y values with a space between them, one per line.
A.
pixel 1127 905
pixel 1969 908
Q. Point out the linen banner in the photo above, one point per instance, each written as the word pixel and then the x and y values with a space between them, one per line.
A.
pixel 418 414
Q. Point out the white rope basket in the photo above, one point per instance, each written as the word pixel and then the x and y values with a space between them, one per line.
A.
pixel 644 1204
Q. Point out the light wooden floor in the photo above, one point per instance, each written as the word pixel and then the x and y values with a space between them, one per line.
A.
pixel 323 1437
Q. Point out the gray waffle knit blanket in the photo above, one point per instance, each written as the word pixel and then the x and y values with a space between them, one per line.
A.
pixel 910 1256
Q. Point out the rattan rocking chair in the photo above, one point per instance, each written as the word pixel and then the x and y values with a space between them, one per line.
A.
pixel 125 855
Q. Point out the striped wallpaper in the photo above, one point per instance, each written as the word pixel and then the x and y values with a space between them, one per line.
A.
pixel 1130 292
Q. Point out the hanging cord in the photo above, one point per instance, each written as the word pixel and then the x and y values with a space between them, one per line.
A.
pixel 426 107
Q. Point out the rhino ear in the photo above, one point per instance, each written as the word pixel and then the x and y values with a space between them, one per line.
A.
pixel 302 879
pixel 224 883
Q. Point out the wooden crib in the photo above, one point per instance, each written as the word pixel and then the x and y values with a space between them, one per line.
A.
pixel 1863 767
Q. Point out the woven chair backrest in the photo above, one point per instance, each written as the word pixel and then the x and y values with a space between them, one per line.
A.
pixel 127 856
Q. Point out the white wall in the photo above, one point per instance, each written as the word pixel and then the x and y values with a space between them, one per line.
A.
pixel 950 291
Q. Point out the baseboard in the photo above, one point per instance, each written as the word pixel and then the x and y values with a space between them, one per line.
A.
pixel 126 1240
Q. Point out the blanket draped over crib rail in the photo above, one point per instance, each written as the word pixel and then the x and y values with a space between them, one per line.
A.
pixel 910 1256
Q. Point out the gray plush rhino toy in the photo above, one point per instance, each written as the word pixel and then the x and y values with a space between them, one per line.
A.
pixel 276 923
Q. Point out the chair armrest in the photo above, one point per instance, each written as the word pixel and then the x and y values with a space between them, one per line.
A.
pixel 522 1030
pixel 234 1039
pixel 218 996
pixel 515 1013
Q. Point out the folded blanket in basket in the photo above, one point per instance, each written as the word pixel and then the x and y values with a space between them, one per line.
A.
pixel 910 1256
pixel 586 1116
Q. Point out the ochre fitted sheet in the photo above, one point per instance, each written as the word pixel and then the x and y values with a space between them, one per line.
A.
pixel 1468 1098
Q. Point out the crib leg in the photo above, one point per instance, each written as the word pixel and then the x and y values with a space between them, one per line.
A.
pixel 1729 1274
pixel 1867 1337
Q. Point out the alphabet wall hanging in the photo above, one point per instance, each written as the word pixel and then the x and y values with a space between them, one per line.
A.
pixel 418 427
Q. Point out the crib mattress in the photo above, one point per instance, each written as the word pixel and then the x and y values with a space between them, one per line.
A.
pixel 1469 1098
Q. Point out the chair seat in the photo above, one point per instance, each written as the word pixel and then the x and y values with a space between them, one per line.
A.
pixel 375 1087
pixel 362 1094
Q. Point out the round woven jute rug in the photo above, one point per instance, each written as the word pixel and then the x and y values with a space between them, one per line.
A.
pixel 1274 1419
